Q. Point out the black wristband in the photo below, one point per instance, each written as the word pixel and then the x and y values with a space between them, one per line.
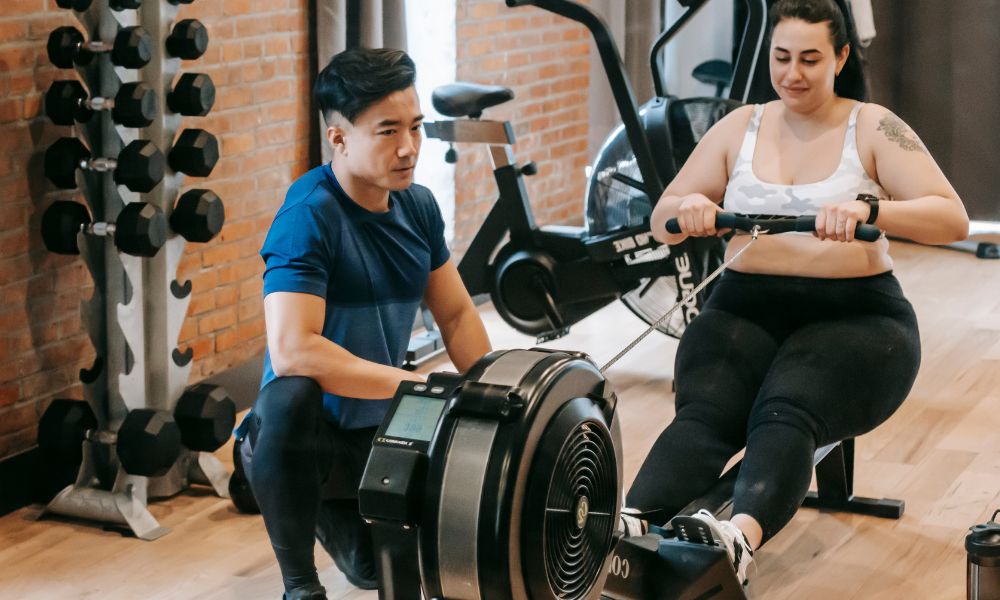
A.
pixel 872 202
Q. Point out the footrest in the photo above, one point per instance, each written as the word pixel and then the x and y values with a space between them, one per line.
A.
pixel 652 568
pixel 874 507
pixel 692 530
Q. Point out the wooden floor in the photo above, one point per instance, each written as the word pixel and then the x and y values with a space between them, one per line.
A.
pixel 940 453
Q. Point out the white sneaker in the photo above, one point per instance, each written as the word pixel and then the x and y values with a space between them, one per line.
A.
pixel 631 525
pixel 731 538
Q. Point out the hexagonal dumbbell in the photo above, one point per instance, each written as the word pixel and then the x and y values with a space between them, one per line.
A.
pixel 188 40
pixel 139 230
pixel 206 416
pixel 147 443
pixel 139 166
pixel 82 5
pixel 198 215
pixel 132 48
pixel 193 96
pixel 135 104
pixel 194 153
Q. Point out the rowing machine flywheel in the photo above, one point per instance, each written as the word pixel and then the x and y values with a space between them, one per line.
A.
pixel 510 477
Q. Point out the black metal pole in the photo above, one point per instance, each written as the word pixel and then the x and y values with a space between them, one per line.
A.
pixel 620 86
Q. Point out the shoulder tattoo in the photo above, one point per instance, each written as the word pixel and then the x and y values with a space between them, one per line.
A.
pixel 897 131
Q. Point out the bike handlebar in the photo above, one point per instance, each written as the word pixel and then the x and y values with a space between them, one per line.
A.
pixel 807 223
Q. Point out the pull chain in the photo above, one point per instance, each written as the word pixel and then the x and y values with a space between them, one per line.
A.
pixel 754 232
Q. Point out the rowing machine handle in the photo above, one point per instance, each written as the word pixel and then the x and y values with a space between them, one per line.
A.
pixel 724 220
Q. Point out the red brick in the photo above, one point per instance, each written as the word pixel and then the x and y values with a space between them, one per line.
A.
pixel 11 110
pixel 225 340
pixel 219 319
pixel 223 254
pixel 20 7
pixel 251 329
pixel 13 31
pixel 201 302
pixel 226 296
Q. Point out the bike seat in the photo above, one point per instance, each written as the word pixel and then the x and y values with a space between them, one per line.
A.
pixel 462 99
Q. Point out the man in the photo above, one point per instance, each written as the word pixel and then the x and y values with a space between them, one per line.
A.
pixel 350 254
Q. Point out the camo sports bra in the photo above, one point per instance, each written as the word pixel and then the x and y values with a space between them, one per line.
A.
pixel 746 194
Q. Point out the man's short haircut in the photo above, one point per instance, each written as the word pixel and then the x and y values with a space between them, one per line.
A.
pixel 359 77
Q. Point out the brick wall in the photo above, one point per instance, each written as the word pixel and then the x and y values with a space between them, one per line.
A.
pixel 545 60
pixel 258 60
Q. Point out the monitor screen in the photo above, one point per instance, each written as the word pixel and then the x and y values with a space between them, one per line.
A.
pixel 415 418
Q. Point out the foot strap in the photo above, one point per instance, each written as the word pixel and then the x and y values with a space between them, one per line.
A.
pixel 695 531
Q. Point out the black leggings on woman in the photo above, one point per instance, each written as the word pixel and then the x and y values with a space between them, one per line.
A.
pixel 304 473
pixel 782 366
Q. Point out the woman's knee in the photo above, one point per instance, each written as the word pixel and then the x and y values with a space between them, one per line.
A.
pixel 777 410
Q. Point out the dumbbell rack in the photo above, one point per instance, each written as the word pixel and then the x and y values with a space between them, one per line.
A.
pixel 135 315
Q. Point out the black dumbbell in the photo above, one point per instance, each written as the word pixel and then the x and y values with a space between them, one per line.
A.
pixel 148 442
pixel 139 230
pixel 193 96
pixel 206 415
pixel 135 104
pixel 132 48
pixel 198 216
pixel 139 165
pixel 194 153
pixel 188 40
pixel 82 5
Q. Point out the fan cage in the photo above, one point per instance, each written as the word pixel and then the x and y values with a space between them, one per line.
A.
pixel 584 469
pixel 611 203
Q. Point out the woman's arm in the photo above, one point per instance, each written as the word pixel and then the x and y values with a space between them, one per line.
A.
pixel 929 210
pixel 695 194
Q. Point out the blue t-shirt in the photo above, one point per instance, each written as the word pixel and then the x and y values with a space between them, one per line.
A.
pixel 371 268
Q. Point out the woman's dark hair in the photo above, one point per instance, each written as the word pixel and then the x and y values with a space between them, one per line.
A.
pixel 357 78
pixel 851 83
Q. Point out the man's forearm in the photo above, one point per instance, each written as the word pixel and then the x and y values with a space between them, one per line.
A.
pixel 337 370
pixel 465 338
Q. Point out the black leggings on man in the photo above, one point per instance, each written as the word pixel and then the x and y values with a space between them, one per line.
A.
pixel 304 473
pixel 782 366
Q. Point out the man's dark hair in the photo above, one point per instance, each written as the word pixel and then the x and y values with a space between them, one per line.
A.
pixel 851 83
pixel 357 78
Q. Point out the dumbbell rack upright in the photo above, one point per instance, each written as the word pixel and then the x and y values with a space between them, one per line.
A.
pixel 135 315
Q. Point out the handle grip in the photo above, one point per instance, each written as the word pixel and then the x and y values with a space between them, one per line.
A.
pixel 807 223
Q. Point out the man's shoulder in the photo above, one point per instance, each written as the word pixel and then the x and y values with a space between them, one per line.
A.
pixel 312 191
pixel 418 199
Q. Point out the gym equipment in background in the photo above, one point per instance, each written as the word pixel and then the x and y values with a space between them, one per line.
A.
pixel 140 432
pixel 135 104
pixel 139 230
pixel 544 279
pixel 132 48
pixel 139 166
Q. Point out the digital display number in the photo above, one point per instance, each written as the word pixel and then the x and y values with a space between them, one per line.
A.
pixel 415 418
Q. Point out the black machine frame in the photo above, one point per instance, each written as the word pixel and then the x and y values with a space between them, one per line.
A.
pixel 569 275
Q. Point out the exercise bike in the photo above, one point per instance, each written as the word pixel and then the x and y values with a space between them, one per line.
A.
pixel 542 280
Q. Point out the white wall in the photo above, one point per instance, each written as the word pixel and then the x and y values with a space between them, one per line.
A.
pixel 708 35
pixel 430 35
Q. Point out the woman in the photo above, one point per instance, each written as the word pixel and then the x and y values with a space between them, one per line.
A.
pixel 807 338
